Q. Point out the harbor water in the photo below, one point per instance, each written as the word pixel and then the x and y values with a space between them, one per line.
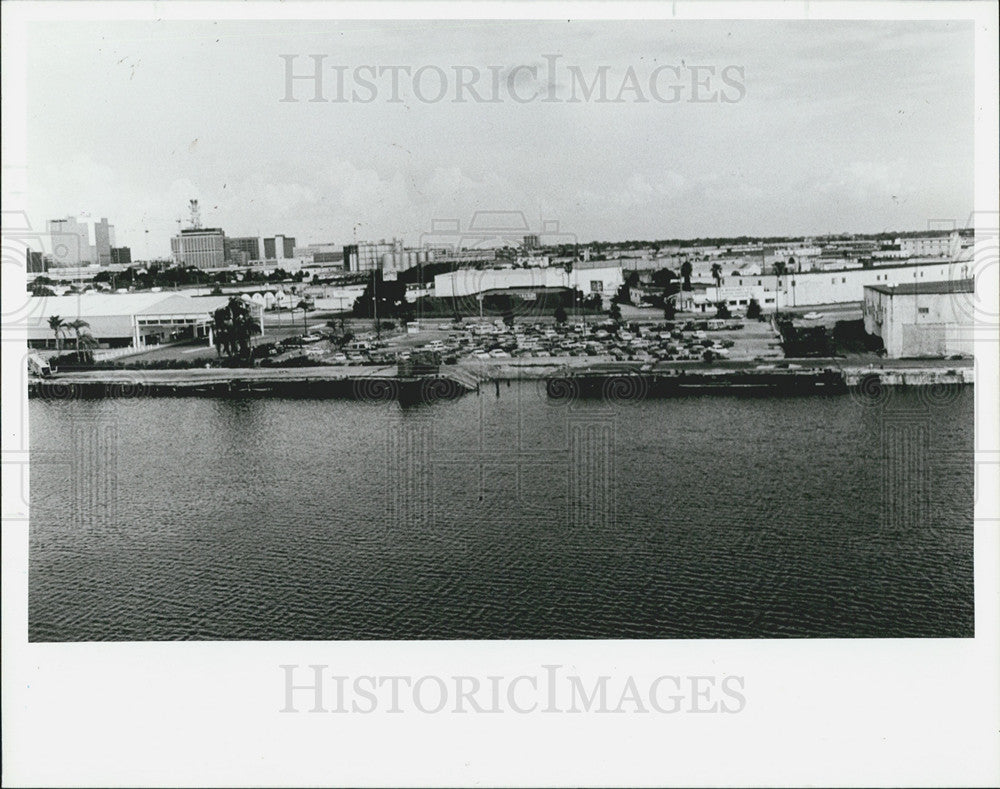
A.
pixel 503 514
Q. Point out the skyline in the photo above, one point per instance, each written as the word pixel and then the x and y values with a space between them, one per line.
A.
pixel 854 127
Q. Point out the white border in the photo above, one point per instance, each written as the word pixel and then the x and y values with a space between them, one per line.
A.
pixel 851 712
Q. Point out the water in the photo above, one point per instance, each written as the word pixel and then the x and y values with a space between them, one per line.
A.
pixel 509 517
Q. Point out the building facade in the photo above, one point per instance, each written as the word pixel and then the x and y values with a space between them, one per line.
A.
pixel 922 319
pixel 121 256
pixel 242 250
pixel 279 248
pixel 813 288
pixel 202 247
pixel 603 282
pixel 70 242
pixel 103 241
pixel 367 255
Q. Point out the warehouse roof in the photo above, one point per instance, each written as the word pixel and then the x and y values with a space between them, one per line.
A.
pixel 87 305
pixel 926 288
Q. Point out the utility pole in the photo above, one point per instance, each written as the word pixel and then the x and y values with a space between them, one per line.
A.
pixel 378 327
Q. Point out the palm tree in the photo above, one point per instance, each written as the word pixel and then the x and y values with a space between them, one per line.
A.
pixel 780 269
pixel 304 306
pixel 717 274
pixel 77 327
pixel 686 270
pixel 58 327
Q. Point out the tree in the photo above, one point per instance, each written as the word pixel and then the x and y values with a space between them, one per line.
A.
pixel 686 270
pixel 753 310
pixel 77 327
pixel 304 306
pixel 234 326
pixel 58 327
pixel 390 295
pixel 717 274
pixel 669 309
pixel 722 310
pixel 615 312
pixel 780 268
pixel 560 314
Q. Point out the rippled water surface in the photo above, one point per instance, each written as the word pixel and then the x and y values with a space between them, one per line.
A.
pixel 502 517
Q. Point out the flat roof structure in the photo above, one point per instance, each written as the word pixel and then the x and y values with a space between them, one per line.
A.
pixel 925 288
pixel 120 316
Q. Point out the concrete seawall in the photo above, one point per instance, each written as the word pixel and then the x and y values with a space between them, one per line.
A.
pixel 383 385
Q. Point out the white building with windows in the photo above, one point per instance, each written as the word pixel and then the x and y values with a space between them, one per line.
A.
pixel 922 319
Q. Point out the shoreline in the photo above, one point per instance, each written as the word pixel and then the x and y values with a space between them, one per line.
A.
pixel 452 381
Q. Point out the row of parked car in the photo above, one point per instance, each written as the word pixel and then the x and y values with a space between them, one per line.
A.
pixel 667 341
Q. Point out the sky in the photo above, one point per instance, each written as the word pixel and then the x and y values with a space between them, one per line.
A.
pixel 819 127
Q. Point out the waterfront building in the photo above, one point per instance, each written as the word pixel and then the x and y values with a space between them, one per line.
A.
pixel 121 320
pixel 922 318
pixel 201 247
pixel 841 286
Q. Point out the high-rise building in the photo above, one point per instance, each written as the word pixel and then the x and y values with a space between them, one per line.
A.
pixel 35 261
pixel 201 247
pixel 121 256
pixel 279 248
pixel 102 242
pixel 531 242
pixel 241 250
pixel 70 242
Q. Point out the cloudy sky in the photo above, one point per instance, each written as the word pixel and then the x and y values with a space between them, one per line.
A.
pixel 825 127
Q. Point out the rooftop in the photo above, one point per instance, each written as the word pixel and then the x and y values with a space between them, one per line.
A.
pixel 926 288
pixel 102 304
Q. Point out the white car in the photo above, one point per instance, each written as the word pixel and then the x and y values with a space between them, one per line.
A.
pixel 813 316
pixel 480 355
pixel 498 353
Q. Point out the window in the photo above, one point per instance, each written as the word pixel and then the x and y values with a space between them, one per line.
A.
pixel 596 286
pixel 843 280
pixel 923 310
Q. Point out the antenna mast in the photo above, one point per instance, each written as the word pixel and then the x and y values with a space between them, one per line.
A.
pixel 195 215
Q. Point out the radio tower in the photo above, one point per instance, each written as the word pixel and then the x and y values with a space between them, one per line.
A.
pixel 195 215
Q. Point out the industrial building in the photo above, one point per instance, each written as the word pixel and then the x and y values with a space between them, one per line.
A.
pixel 367 256
pixel 122 320
pixel 813 288
pixel 604 282
pixel 921 318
